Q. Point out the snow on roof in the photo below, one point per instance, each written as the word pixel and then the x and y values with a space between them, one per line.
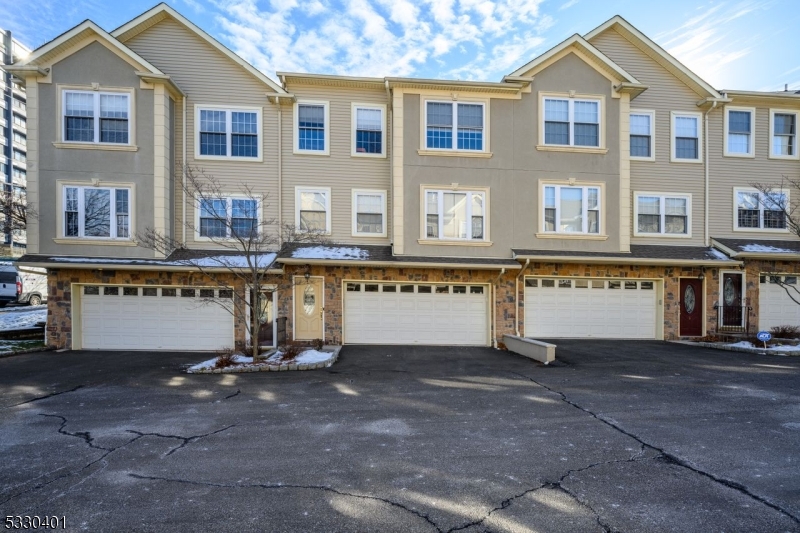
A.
pixel 212 261
pixel 330 252
pixel 716 254
pixel 765 249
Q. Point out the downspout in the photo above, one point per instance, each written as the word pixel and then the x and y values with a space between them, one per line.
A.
pixel 494 307
pixel 516 294
pixel 390 157
pixel 280 173
pixel 705 125
pixel 183 175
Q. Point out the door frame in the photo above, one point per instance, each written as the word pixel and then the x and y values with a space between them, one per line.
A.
pixel 264 288
pixel 294 303
pixel 705 307
pixel 721 301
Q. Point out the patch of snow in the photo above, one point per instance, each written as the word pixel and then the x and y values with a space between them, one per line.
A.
pixel 205 365
pixel 215 261
pixel 717 254
pixel 782 348
pixel 308 356
pixel 765 249
pixel 742 344
pixel 330 252
pixel 22 319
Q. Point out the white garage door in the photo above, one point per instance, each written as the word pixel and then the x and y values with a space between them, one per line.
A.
pixel 397 313
pixel 151 318
pixel 775 307
pixel 597 308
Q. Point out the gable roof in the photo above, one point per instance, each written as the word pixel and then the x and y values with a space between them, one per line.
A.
pixel 641 41
pixel 161 11
pixel 584 46
pixel 71 37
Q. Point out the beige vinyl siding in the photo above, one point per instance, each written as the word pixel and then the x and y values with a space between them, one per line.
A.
pixel 210 78
pixel 340 171
pixel 665 93
pixel 730 172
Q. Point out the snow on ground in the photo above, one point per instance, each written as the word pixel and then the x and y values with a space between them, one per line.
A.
pixel 330 252
pixel 746 344
pixel 308 356
pixel 22 317
pixel 7 347
pixel 205 365
pixel 765 249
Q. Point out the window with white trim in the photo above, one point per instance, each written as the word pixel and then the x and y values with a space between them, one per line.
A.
pixel 739 131
pixel 369 125
pixel 756 210
pixel 455 215
pixel 783 134
pixel 311 124
pixel 227 218
pixel 96 117
pixel 462 120
pixel 228 133
pixel 662 214
pixel 313 209
pixel 641 124
pixel 571 122
pixel 369 213
pixel 570 209
pixel 96 212
pixel 686 136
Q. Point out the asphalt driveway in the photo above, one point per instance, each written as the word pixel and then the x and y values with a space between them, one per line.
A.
pixel 617 436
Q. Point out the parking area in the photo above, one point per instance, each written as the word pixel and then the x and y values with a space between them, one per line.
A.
pixel 616 436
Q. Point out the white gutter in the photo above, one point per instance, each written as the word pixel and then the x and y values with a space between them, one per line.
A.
pixel 388 264
pixel 705 142
pixel 494 307
pixel 183 177
pixel 516 294
pixel 623 261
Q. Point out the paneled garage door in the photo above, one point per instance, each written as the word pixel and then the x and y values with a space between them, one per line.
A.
pixel 775 307
pixel 154 318
pixel 596 308
pixel 397 313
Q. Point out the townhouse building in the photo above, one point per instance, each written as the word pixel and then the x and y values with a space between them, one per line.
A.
pixel 602 190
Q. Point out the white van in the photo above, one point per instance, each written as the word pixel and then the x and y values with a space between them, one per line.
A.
pixel 22 284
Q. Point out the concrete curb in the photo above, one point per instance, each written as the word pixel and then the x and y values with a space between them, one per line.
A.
pixel 722 346
pixel 263 367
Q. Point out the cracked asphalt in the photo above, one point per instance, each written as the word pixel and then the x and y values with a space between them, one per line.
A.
pixel 616 436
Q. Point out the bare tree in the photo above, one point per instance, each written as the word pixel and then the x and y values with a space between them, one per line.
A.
pixel 15 210
pixel 247 244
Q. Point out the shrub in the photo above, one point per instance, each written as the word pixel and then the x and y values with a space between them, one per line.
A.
pixel 317 344
pixel 225 358
pixel 291 350
pixel 502 346
pixel 785 332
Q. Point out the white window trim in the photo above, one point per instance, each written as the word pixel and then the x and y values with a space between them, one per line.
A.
pixel 652 114
pixel 354 123
pixel 584 210
pixel 228 213
pixel 62 115
pixel 602 149
pixel 424 239
pixel 324 190
pixel 736 191
pixel 372 192
pixel 663 196
pixel 672 116
pixel 796 114
pixel 751 152
pixel 62 202
pixel 424 150
pixel 296 128
pixel 228 132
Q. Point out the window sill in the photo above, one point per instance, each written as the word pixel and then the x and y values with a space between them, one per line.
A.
pixel 101 242
pixel 741 156
pixel 228 158
pixel 576 149
pixel 369 235
pixel 456 153
pixel 97 146
pixel 762 230
pixel 645 159
pixel 437 242
pixel 367 156
pixel 784 157
pixel 690 161
pixel 661 235
pixel 581 236
pixel 312 152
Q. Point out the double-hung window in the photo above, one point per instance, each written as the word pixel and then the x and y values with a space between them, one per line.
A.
pixel 369 127
pixel 783 137
pixel 97 212
pixel 571 122
pixel 569 209
pixel 369 213
pixel 756 210
pixel 228 133
pixel 641 123
pixel 226 218
pixel 686 137
pixel 311 128
pixel 313 209
pixel 96 117
pixel 454 126
pixel 662 214
pixel 455 215
pixel 739 123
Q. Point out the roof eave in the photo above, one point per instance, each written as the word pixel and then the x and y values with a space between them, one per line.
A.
pixel 392 264
pixel 625 261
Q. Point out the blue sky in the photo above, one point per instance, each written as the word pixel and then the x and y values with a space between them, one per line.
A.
pixel 738 44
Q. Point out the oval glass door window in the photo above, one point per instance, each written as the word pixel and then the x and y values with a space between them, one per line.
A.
pixel 309 300
pixel 729 291
pixel 689 299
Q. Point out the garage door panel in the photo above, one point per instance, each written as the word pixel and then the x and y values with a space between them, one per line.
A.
pixel 776 307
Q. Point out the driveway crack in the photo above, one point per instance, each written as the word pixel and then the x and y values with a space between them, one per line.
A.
pixel 669 457
pixel 229 396
pixel 46 396
pixel 186 440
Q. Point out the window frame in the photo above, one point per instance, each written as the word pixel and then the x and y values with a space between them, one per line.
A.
pixel 113 187
pixel 354 198
pixel 296 127
pixel 601 220
pixel 673 145
pixel 572 96
pixel 228 214
pixel 229 110
pixel 481 191
pixel 760 229
pixel 652 114
pixel 455 151
pixel 324 190
pixel 353 129
pixel 96 115
pixel 751 152
pixel 772 113
pixel 662 212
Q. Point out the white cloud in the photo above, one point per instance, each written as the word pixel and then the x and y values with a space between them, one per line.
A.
pixel 567 5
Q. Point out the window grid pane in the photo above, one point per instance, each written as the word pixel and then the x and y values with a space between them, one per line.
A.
pixel 640 146
pixel 213 138
pixel 97 212
pixel 311 126
pixel 686 148
pixel 79 117
pixel 123 214
pixel 71 225
pixel 739 122
pixel 369 125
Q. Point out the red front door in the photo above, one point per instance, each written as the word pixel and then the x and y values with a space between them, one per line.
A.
pixel 691 307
